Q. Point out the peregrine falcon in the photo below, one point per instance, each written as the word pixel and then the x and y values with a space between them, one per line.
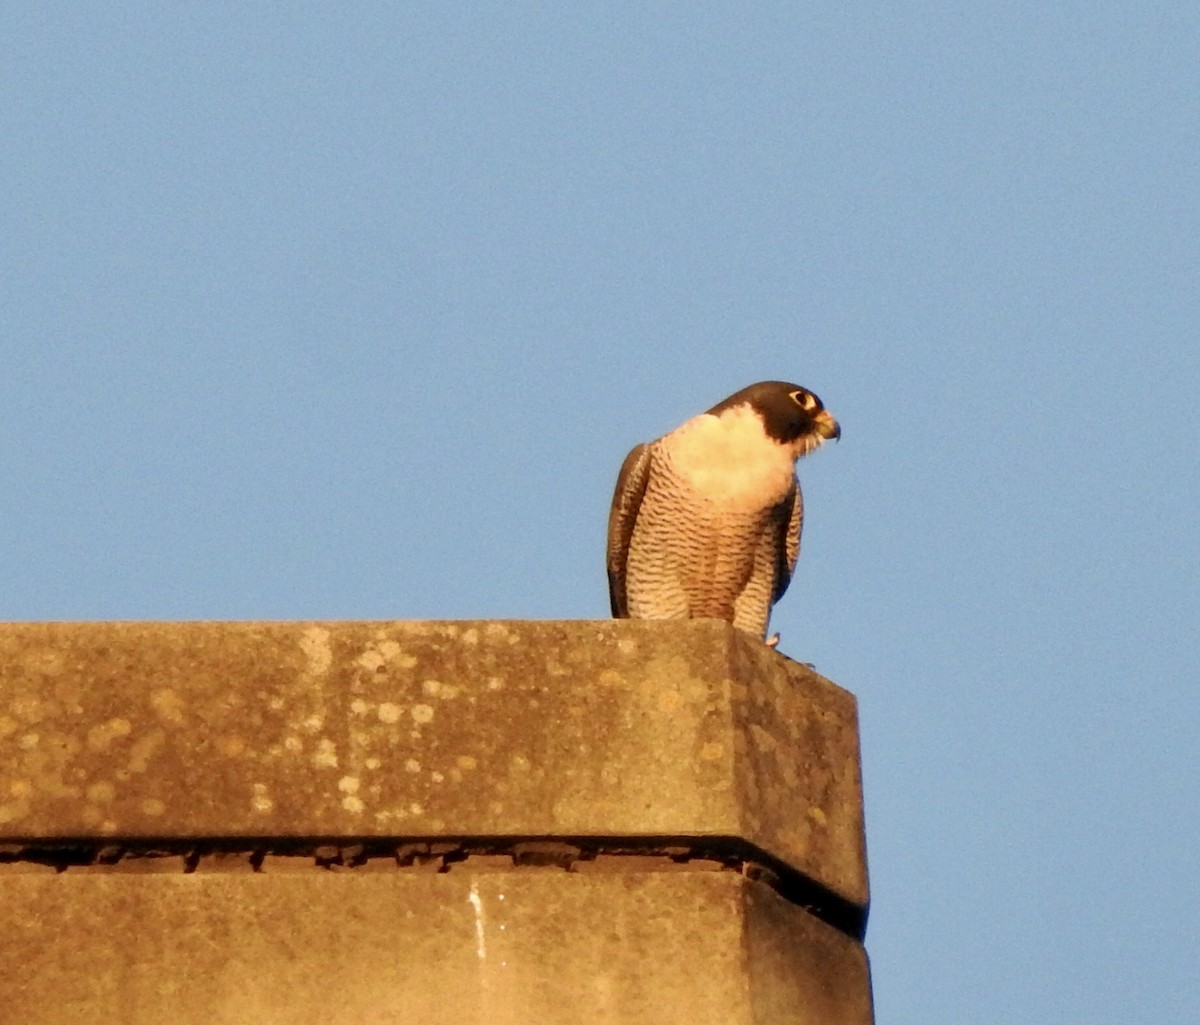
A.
pixel 705 522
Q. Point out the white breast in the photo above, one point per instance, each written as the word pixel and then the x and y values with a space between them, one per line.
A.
pixel 730 460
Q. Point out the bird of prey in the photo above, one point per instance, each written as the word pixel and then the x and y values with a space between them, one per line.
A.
pixel 705 522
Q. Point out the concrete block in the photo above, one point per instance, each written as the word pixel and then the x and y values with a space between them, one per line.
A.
pixel 490 822
pixel 660 732
pixel 494 948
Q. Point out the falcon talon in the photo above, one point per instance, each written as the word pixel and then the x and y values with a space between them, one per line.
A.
pixel 773 641
pixel 705 521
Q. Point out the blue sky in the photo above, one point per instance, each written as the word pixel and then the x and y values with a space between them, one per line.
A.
pixel 352 311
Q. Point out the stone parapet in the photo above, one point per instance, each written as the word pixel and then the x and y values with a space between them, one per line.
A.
pixel 517 816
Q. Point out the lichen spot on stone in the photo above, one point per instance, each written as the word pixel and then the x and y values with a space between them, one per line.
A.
pixel 412 765
pixel 12 812
pixel 314 642
pixel 389 712
pixel 348 784
pixel 261 801
pixel 29 707
pixel 153 807
pixel 317 651
pixel 168 705
pixel 353 804
pixel 370 660
pixel 144 748
pixel 359 707
pixel 669 700
pixel 99 737
pixel 422 714
pixel 497 631
pixel 326 755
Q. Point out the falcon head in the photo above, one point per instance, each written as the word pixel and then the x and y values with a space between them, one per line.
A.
pixel 790 415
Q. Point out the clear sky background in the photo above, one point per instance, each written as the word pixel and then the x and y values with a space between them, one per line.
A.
pixel 322 311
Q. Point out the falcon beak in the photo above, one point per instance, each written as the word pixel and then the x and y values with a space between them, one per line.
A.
pixel 827 426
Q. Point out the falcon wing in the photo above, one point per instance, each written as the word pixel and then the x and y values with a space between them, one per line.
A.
pixel 789 522
pixel 627 499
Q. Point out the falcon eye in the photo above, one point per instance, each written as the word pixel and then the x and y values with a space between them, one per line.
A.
pixel 805 400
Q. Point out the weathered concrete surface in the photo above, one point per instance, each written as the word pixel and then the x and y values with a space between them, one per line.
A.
pixel 324 948
pixel 626 729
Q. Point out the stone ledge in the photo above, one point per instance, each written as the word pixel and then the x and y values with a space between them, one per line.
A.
pixel 227 948
pixel 380 854
pixel 390 729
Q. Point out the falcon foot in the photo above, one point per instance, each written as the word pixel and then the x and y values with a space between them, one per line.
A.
pixel 773 641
